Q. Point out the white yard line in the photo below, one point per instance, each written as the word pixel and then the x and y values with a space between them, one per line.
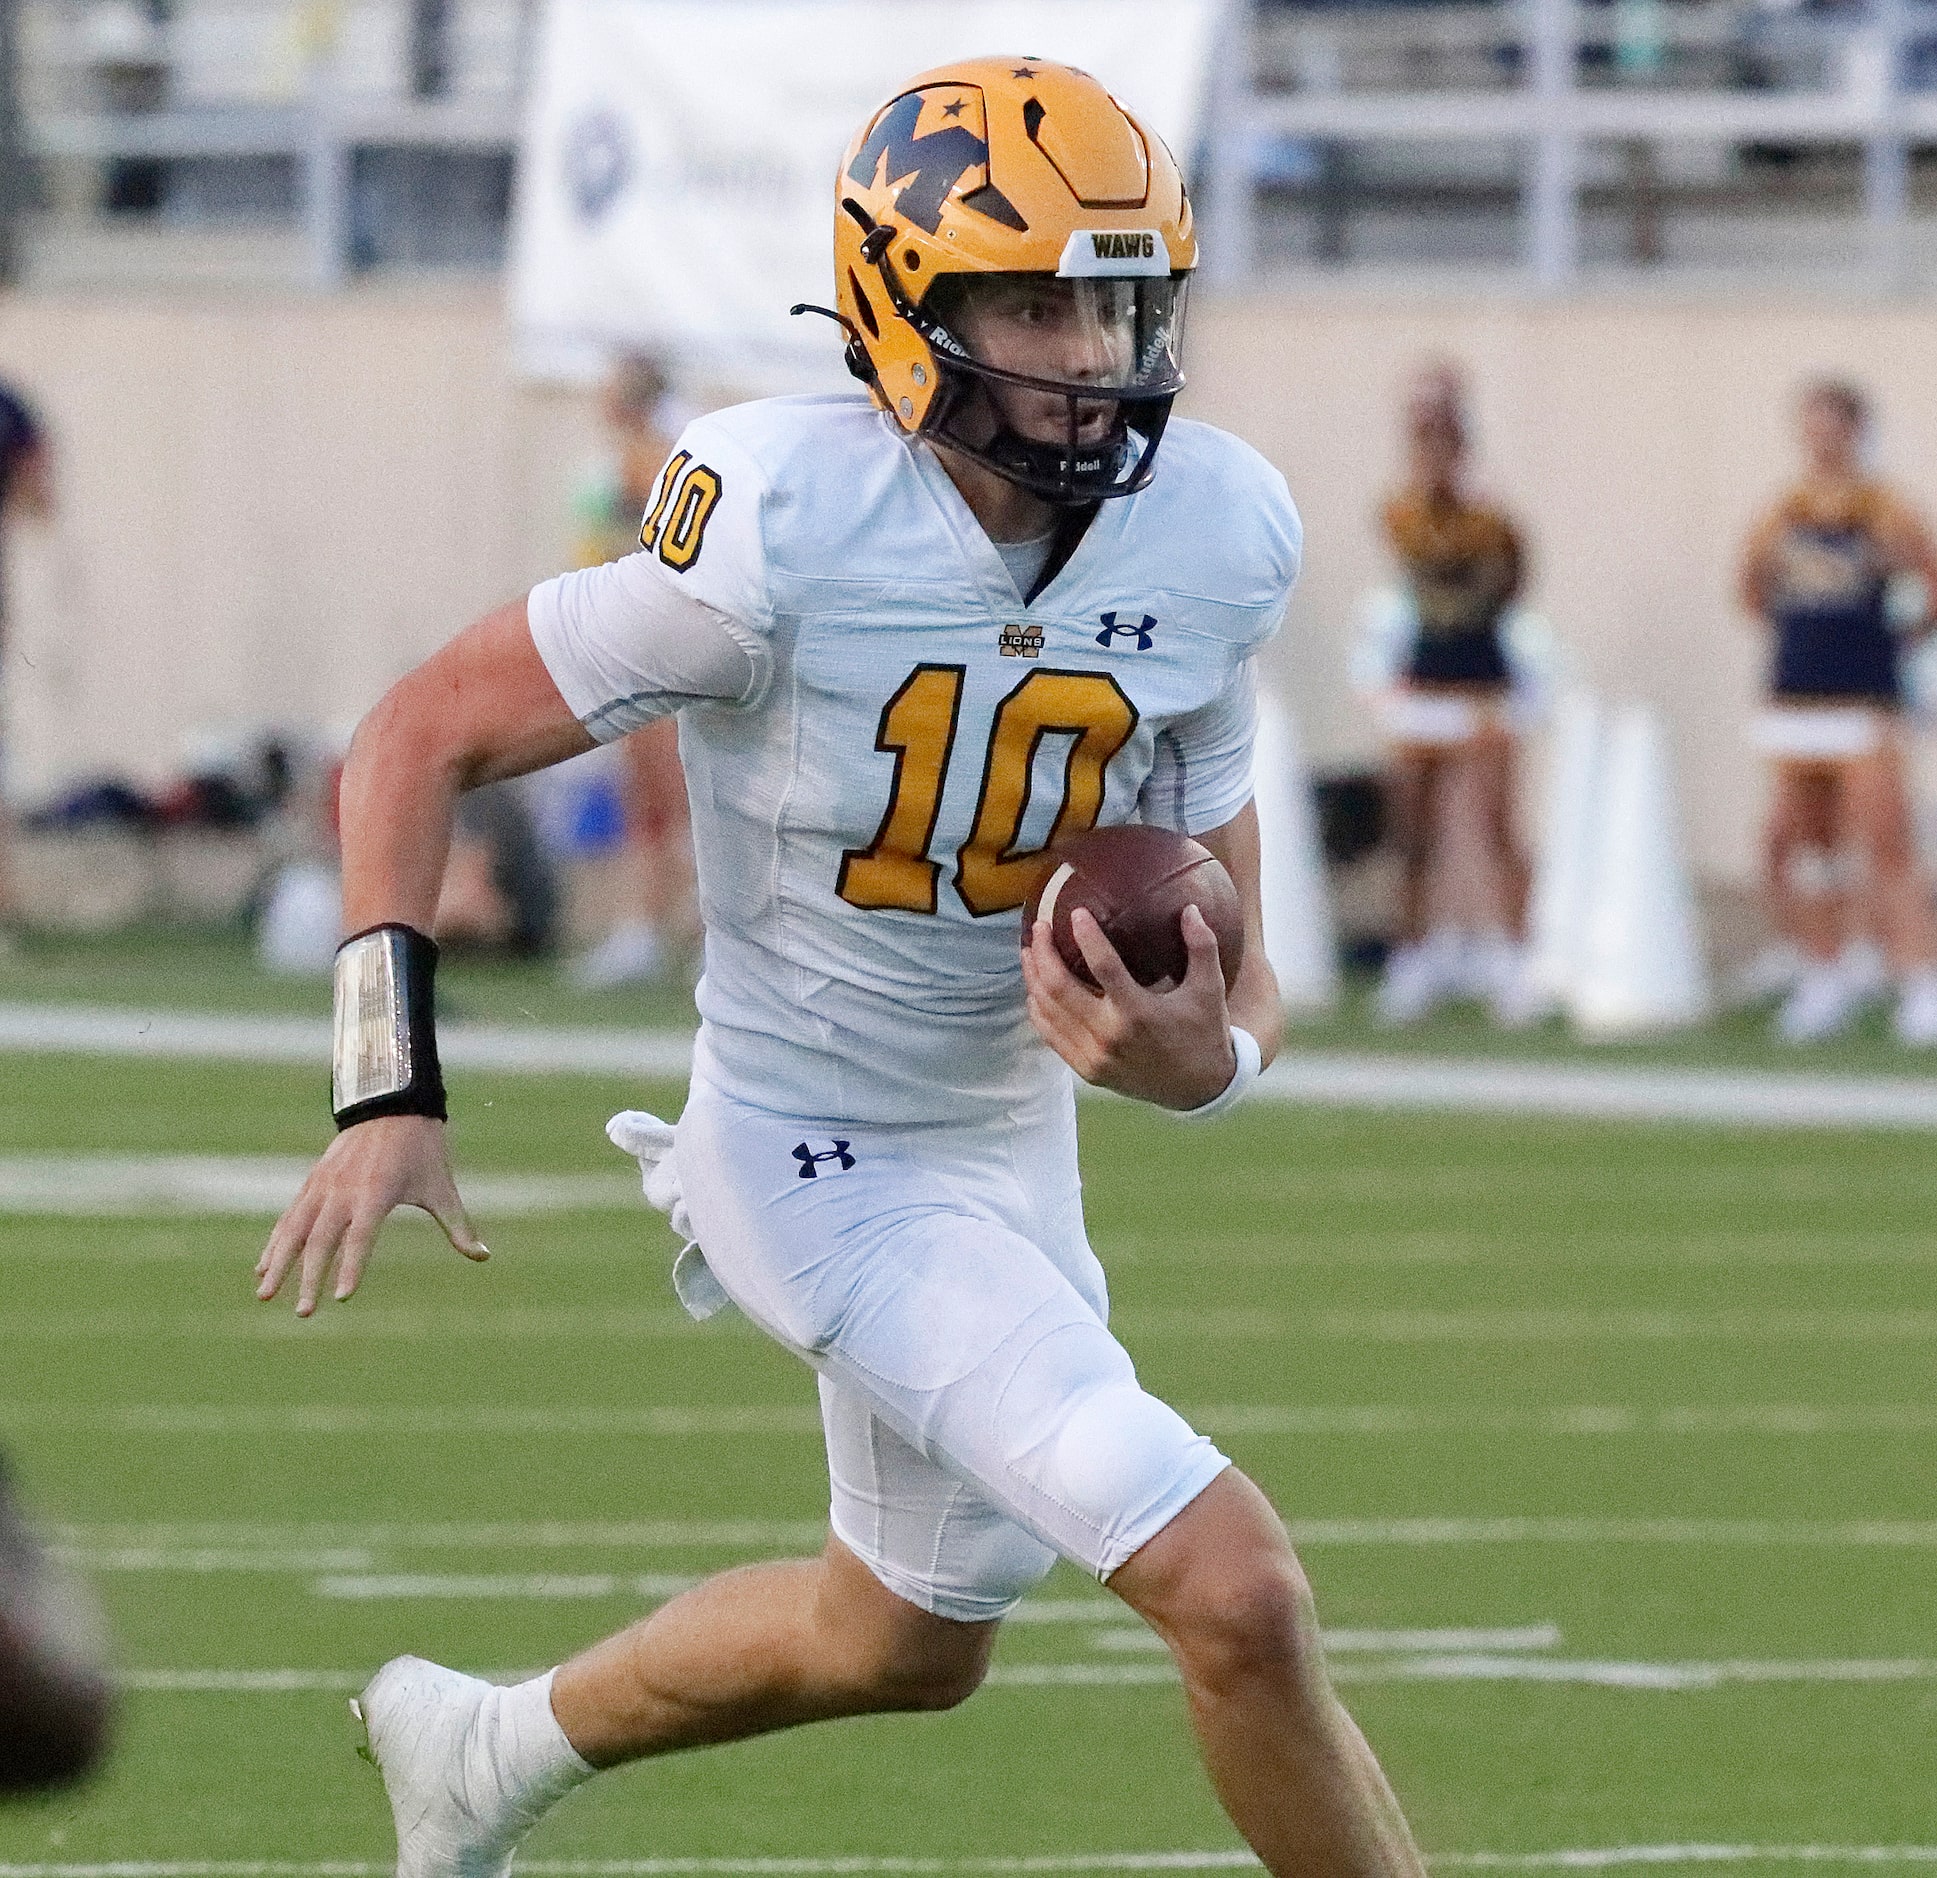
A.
pixel 254 1323
pixel 1627 1675
pixel 154 1546
pixel 635 1535
pixel 1673 1677
pixel 245 1681
pixel 219 1036
pixel 1601 1858
pixel 796 1420
pixel 1610 1091
pixel 580 1324
pixel 381 1587
pixel 252 1185
pixel 1570 1858
pixel 523 1587
pixel 1136 1640
pixel 1510 1530
pixel 1774 1418
pixel 1111 1633
pixel 1546 1325
pixel 1212 1323
pixel 353 1418
pixel 1603 1091
pixel 1668 1677
pixel 205 1560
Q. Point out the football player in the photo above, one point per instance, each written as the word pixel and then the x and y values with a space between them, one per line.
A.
pixel 911 635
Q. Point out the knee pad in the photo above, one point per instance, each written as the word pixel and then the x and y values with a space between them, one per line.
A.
pixel 1118 1451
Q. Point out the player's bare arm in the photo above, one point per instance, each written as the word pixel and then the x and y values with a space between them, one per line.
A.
pixel 1172 1047
pixel 482 708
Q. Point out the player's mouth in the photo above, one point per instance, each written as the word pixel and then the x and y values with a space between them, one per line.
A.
pixel 1047 419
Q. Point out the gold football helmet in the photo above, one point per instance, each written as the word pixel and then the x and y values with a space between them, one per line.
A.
pixel 1011 249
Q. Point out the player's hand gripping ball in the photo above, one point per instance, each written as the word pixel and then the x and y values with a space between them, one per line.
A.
pixel 1136 881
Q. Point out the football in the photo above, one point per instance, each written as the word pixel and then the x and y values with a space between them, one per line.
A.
pixel 1136 881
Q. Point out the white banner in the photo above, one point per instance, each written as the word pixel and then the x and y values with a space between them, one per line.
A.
pixel 676 188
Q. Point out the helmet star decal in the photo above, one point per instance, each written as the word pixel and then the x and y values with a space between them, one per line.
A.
pixel 920 168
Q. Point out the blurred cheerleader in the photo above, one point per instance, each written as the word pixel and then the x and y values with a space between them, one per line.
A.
pixel 642 417
pixel 1822 569
pixel 1447 705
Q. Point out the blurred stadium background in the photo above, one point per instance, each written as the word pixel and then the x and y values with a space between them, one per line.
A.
pixel 259 251
pixel 1607 1437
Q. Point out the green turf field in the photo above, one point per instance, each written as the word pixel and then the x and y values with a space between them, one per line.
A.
pixel 1659 1400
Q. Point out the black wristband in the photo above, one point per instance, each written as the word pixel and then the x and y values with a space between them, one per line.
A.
pixel 385 1057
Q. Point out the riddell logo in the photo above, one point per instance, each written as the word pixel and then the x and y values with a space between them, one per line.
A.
pixel 1137 245
pixel 1021 642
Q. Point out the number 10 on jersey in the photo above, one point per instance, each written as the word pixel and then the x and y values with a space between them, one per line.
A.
pixel 918 727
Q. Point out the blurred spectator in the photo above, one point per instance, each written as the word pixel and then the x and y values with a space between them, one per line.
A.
pixel 227 786
pixel 56 1701
pixel 1447 709
pixel 26 488
pixel 500 892
pixel 301 918
pixel 642 420
pixel 1827 570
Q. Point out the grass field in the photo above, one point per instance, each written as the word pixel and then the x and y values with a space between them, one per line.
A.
pixel 1657 1400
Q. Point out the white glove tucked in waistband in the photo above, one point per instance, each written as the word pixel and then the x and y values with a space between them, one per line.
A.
pixel 650 1142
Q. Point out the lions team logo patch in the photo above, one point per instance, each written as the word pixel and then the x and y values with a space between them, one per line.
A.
pixel 1139 632
pixel 834 1157
pixel 1022 642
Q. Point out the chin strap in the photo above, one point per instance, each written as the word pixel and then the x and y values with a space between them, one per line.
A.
pixel 856 354
pixel 1056 462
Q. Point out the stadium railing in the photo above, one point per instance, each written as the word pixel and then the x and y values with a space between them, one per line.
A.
pixel 1529 137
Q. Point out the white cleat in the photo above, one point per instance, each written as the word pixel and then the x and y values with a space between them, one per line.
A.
pixel 1865 970
pixel 1418 978
pixel 1771 974
pixel 1823 1005
pixel 1519 1001
pixel 450 1822
pixel 1915 1023
pixel 1407 991
pixel 632 953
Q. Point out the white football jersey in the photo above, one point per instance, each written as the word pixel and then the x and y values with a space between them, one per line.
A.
pixel 865 813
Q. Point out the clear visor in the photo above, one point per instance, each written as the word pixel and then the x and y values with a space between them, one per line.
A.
pixel 1111 335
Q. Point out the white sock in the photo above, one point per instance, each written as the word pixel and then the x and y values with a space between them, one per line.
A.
pixel 516 1750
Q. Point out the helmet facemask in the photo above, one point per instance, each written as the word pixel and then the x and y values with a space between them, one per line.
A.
pixel 1062 386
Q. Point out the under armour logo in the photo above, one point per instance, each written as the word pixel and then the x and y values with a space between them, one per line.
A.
pixel 1140 632
pixel 811 1163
